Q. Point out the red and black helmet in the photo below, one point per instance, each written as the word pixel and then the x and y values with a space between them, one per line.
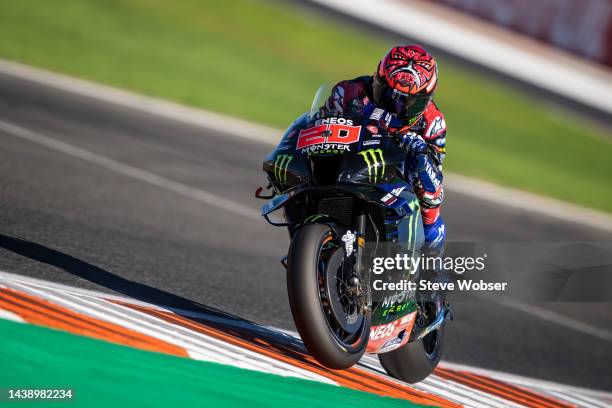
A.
pixel 405 82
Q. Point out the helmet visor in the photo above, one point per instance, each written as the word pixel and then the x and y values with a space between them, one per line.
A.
pixel 405 106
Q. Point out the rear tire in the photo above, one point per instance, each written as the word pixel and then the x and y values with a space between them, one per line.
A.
pixel 414 361
pixel 309 314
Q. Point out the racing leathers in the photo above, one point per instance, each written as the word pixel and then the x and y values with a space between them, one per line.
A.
pixel 424 141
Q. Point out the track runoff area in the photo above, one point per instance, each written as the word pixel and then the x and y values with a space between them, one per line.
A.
pixel 215 357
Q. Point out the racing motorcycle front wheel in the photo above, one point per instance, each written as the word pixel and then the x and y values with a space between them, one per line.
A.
pixel 328 316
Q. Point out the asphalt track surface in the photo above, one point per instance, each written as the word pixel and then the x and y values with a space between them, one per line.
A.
pixel 69 221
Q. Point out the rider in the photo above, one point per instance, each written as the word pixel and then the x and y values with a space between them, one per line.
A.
pixel 398 98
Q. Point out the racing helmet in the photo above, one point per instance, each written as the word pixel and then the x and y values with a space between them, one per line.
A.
pixel 405 82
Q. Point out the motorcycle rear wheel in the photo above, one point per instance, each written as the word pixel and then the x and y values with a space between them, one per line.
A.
pixel 416 360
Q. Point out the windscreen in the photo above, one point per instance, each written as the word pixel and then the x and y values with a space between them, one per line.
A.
pixel 319 107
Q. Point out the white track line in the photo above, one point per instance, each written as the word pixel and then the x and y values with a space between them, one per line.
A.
pixel 502 196
pixel 130 171
pixel 554 317
pixel 141 103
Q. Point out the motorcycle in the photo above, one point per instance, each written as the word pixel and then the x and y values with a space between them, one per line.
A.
pixel 337 182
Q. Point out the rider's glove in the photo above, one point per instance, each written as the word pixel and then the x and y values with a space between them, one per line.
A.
pixel 416 151
pixel 380 118
pixel 414 144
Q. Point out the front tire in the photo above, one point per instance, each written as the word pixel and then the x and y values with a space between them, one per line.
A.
pixel 326 340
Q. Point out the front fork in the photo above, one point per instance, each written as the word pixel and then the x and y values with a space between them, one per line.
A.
pixel 354 247
pixel 358 283
pixel 360 245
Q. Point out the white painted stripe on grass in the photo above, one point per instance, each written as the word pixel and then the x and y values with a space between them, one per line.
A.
pixel 485 191
pixel 131 171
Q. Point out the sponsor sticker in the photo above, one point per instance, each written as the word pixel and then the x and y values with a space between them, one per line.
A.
pixel 407 319
pixel 349 240
pixel 336 133
pixel 382 331
pixel 371 142
pixel 436 127
pixel 334 121
pixel 396 298
pixel 375 160
pixel 391 344
pixel 372 129
pixel 377 114
pixel 391 197
pixel 326 148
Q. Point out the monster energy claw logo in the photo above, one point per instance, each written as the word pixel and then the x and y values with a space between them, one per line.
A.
pixel 281 164
pixel 371 157
pixel 413 221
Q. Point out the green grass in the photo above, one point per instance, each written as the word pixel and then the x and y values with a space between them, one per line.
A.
pixel 263 60
pixel 102 374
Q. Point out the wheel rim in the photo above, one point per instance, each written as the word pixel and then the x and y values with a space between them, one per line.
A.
pixel 341 311
pixel 430 341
